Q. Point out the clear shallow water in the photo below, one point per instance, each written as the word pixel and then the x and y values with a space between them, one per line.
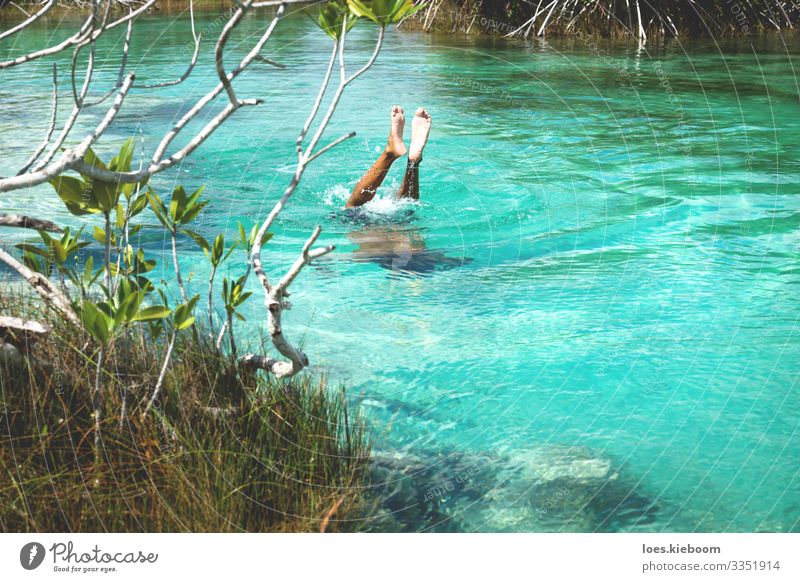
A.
pixel 590 320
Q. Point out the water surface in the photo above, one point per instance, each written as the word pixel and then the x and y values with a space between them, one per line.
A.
pixel 589 322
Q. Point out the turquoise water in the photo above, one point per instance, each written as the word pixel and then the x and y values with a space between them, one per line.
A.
pixel 590 320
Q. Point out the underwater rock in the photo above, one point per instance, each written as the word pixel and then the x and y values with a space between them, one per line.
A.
pixel 546 489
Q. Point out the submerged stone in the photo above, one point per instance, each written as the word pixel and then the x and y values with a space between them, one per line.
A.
pixel 545 489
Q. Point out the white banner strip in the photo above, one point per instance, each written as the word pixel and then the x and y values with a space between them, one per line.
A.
pixel 406 557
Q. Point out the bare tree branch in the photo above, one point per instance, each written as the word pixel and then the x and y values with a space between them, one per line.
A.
pixel 21 221
pixel 232 23
pixel 162 374
pixel 333 144
pixel 157 163
pixel 318 101
pixel 243 64
pixel 25 24
pixel 183 77
pixel 70 156
pixel 306 256
pixel 42 285
pixel 48 136
pixel 25 326
pixel 121 73
pixel 274 296
pixel 267 61
pixel 86 32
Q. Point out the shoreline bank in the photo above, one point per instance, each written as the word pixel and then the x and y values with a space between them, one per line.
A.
pixel 560 19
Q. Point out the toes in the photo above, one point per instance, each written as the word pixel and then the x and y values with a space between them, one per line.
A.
pixel 397 110
pixel 422 112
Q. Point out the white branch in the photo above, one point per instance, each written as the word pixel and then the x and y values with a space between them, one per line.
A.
pixel 26 326
pixel 220 49
pixel 277 367
pixel 183 77
pixel 162 374
pixel 121 73
pixel 25 24
pixel 318 100
pixel 49 135
pixel 42 285
pixel 333 144
pixel 72 155
pixel 344 82
pixel 21 221
pixel 274 295
pixel 55 49
pixel 192 113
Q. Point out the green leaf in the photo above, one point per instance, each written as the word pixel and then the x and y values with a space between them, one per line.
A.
pixel 363 9
pixel 34 263
pixel 95 321
pixel 59 252
pixel 139 203
pixel 183 314
pixel 217 249
pixel 29 248
pixel 158 208
pixel 46 238
pixel 330 18
pixel 122 161
pixel 142 265
pixel 152 312
pixel 99 234
pixel 230 250
pixel 89 276
pixel 128 307
pixel 243 297
pixel 155 328
pixel 197 238
pixel 90 158
pixel 120 211
pixel 106 195
pixel 192 200
pixel 384 12
pixel 191 213
pixel 177 204
pixel 71 191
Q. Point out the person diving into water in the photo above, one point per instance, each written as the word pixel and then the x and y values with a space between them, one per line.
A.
pixel 398 247
pixel 368 185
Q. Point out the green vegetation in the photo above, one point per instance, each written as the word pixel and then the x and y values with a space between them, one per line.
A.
pixel 135 419
pixel 220 450
pixel 638 18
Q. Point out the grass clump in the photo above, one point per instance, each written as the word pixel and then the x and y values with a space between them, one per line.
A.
pixel 222 449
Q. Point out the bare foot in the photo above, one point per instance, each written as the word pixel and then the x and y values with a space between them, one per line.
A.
pixel 420 128
pixel 396 147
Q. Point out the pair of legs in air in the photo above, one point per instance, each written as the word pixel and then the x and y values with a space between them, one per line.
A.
pixel 368 184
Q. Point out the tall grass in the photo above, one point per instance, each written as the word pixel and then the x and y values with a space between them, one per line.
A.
pixel 223 449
